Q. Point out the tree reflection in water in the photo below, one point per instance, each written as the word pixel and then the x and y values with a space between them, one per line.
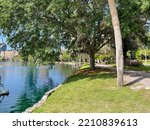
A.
pixel 27 84
pixel 32 91
pixel 1 99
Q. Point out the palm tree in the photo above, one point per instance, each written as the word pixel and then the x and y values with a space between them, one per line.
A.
pixel 118 42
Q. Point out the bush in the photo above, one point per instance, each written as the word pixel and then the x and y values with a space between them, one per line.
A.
pixel 140 54
pixel 16 58
pixel 65 56
pixel 133 63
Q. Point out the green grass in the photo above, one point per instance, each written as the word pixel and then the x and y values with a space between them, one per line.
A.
pixel 138 68
pixel 146 63
pixel 85 66
pixel 95 92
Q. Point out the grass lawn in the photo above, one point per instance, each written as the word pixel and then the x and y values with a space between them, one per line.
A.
pixel 95 91
pixel 146 62
pixel 138 68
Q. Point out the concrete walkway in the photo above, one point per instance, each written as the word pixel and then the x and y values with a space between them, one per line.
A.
pixel 135 79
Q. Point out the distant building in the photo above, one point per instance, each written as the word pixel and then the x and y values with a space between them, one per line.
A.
pixel 8 55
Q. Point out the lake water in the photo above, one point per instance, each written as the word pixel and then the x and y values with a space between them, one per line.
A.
pixel 27 84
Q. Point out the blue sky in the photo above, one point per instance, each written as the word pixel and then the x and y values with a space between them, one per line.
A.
pixel 3 39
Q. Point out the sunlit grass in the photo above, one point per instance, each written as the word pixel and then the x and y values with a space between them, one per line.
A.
pixel 145 68
pixel 146 62
pixel 89 91
pixel 85 66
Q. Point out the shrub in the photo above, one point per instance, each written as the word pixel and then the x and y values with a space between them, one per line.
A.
pixel 133 63
pixel 140 54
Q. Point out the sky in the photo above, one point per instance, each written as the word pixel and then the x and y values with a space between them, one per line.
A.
pixel 3 39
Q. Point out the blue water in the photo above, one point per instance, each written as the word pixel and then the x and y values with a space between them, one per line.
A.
pixel 28 84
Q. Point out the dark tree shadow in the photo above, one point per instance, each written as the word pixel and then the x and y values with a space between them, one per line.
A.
pixel 134 81
pixel 138 75
pixel 98 73
pixel 106 73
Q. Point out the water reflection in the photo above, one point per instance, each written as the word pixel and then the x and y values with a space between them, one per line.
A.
pixel 27 85
pixel 1 99
pixel 32 92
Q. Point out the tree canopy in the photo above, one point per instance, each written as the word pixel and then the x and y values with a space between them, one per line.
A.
pixel 27 27
pixel 41 27
pixel 133 19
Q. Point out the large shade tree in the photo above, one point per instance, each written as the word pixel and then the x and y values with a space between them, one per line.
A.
pixel 84 28
pixel 40 28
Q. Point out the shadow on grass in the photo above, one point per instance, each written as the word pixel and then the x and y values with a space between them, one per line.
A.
pixel 104 73
pixel 91 75
pixel 139 68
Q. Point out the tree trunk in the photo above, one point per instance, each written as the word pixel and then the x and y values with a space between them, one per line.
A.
pixel 118 42
pixel 92 59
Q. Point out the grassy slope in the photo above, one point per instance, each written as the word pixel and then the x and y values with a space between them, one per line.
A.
pixel 96 92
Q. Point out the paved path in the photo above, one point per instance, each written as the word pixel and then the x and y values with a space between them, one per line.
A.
pixel 135 79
